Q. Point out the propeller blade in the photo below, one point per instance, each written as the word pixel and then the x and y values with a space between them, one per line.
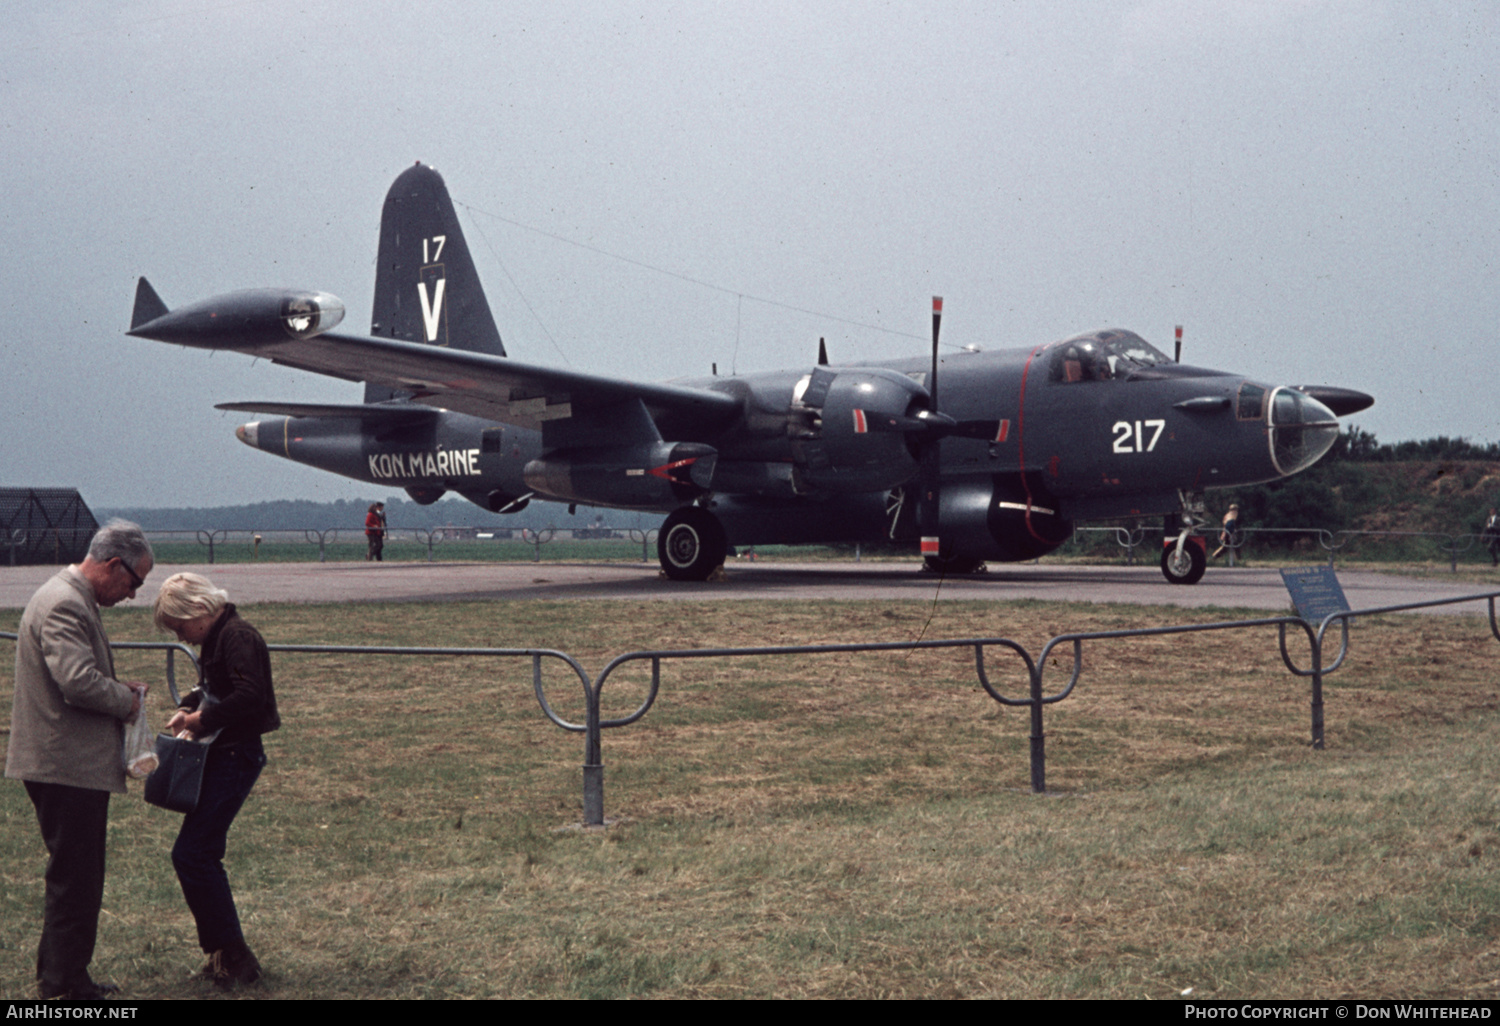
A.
pixel 923 422
pixel 984 430
pixel 937 325
pixel 930 467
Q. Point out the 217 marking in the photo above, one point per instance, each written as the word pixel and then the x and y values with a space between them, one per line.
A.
pixel 1126 432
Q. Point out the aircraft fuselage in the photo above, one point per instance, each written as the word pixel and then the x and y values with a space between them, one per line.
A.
pixel 1071 440
pixel 978 456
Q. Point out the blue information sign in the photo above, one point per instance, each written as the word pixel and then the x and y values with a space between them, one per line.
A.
pixel 1315 592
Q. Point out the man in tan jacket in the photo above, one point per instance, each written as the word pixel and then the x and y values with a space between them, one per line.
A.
pixel 66 743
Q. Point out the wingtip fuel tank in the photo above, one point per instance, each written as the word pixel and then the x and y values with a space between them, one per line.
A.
pixel 247 317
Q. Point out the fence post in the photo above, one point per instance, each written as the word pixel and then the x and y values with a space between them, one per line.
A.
pixel 537 540
pixel 1317 688
pixel 644 537
pixel 1038 736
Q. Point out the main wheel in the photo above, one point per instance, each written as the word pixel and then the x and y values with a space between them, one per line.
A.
pixel 691 544
pixel 1186 567
pixel 952 567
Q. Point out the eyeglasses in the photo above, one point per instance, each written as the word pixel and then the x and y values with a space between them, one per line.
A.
pixel 136 580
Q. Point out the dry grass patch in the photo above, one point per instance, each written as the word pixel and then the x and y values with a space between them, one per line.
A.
pixel 852 825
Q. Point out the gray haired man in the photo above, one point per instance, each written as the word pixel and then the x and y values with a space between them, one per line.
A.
pixel 66 738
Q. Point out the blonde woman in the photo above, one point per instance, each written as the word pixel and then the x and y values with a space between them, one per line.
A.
pixel 236 702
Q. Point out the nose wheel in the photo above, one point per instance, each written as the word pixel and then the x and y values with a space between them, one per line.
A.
pixel 691 544
pixel 1184 564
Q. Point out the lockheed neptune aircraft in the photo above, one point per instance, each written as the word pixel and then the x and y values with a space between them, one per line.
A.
pixel 1018 445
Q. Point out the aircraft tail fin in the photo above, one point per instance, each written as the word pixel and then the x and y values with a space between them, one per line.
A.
pixel 148 305
pixel 426 287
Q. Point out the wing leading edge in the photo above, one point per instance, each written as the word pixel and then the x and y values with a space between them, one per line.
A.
pixel 495 388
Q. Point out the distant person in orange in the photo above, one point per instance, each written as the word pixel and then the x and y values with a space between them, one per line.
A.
pixel 375 531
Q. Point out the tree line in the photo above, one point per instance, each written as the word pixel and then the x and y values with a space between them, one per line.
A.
pixel 300 514
pixel 1435 484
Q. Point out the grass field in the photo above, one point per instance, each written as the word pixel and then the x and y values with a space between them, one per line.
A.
pixel 850 826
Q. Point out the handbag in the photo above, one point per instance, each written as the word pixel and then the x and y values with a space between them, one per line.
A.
pixel 178 777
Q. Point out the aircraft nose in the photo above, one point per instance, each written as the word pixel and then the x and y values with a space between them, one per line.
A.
pixel 1302 430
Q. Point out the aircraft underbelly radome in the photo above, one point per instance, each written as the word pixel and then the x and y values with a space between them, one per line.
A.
pixel 1022 443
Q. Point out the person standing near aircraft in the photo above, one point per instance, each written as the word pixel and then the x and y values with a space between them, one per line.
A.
pixel 66 740
pixel 1227 530
pixel 1492 536
pixel 375 531
pixel 238 704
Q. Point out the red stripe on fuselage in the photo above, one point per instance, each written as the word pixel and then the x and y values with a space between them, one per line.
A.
pixel 1021 442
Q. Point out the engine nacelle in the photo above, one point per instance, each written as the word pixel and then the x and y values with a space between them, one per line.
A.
pixel 850 429
pixel 249 317
pixel 1001 517
pixel 424 496
pixel 660 475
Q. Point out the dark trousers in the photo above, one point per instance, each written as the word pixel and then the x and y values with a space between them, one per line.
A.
pixel 74 822
pixel 198 855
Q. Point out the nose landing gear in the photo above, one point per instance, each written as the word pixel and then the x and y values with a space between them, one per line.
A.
pixel 1185 557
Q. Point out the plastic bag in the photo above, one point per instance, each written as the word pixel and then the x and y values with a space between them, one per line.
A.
pixel 140 747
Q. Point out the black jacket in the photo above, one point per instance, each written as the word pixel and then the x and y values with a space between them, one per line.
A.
pixel 237 673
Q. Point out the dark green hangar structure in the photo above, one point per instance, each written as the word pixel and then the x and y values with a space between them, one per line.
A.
pixel 44 525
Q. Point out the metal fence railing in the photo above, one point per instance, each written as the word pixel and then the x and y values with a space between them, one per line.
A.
pixel 1449 545
pixel 462 543
pixel 1036 698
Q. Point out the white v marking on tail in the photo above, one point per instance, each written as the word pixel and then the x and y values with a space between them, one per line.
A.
pixel 432 311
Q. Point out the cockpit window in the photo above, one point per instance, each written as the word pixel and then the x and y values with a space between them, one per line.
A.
pixel 1252 402
pixel 1103 356
pixel 1302 430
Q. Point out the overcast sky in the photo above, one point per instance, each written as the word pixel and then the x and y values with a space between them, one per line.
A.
pixel 1308 186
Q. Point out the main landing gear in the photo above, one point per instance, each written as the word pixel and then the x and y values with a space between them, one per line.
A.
pixel 952 567
pixel 691 544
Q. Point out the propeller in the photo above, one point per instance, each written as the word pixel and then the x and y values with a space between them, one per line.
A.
pixel 928 477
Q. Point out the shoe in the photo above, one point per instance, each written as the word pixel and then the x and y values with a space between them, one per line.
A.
pixel 229 966
pixel 86 991
pixel 214 972
pixel 241 964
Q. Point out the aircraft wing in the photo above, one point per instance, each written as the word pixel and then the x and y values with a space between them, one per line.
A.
pixel 496 388
pixel 386 413
pixel 492 387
